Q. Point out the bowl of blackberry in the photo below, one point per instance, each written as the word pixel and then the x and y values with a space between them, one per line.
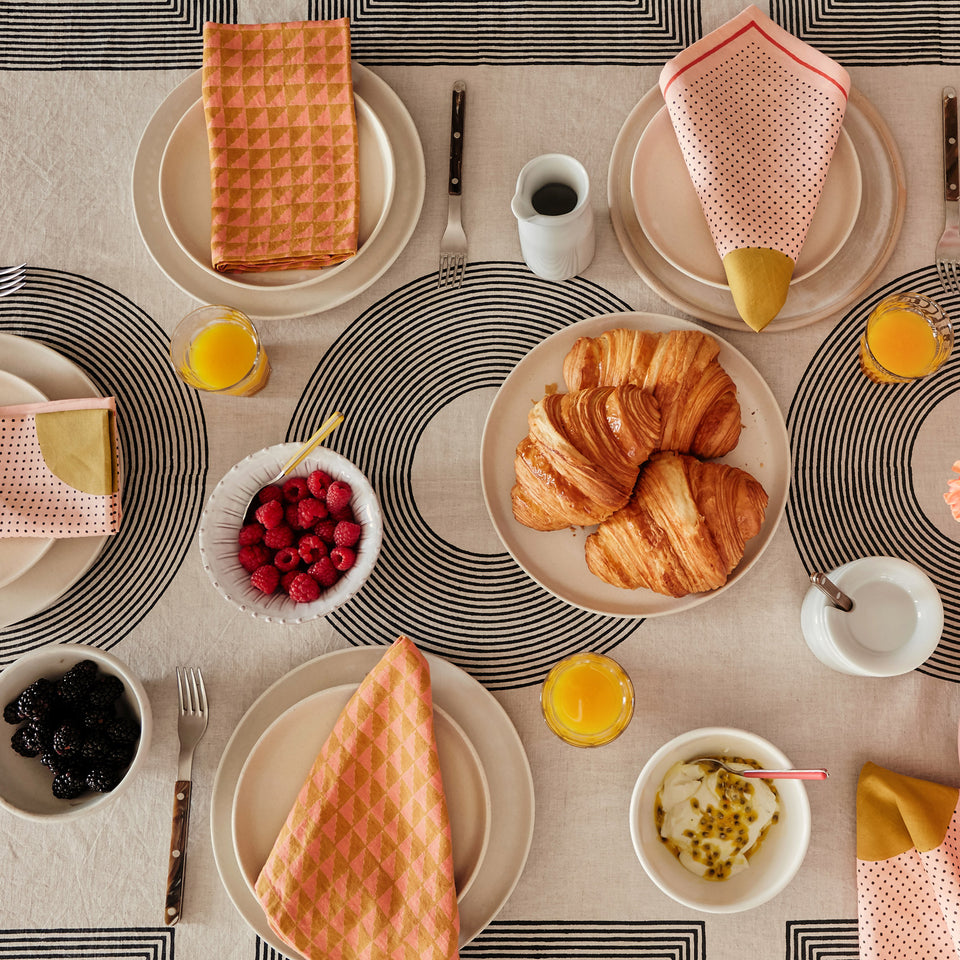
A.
pixel 77 725
pixel 291 551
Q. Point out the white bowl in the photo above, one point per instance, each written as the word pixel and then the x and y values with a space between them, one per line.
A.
pixel 24 781
pixel 223 516
pixel 893 628
pixel 775 862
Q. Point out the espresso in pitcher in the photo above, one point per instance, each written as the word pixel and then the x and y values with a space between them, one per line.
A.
pixel 554 199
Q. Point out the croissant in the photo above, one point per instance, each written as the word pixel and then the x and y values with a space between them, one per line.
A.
pixel 699 410
pixel 580 460
pixel 683 531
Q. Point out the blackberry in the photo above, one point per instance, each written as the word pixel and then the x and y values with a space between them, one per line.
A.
pixel 105 691
pixel 38 699
pixel 94 748
pixel 123 730
pixel 118 754
pixel 39 734
pixel 102 778
pixel 67 740
pixel 75 683
pixel 68 786
pixel 11 712
pixel 22 745
pixel 95 718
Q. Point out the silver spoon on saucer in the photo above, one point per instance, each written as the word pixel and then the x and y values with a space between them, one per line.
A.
pixel 751 773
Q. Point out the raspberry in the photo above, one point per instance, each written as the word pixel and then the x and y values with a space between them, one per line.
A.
pixel 253 556
pixel 324 572
pixel 270 514
pixel 304 589
pixel 287 579
pixel 295 489
pixel 286 559
pixel 250 533
pixel 279 537
pixel 292 516
pixel 317 483
pixel 270 492
pixel 338 496
pixel 343 558
pixel 265 578
pixel 346 534
pixel 309 511
pixel 324 530
pixel 346 514
pixel 311 548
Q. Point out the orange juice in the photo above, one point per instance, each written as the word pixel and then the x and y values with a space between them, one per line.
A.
pixel 587 699
pixel 907 337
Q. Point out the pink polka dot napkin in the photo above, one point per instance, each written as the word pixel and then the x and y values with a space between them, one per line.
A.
pixel 757 113
pixel 363 867
pixel 284 154
pixel 59 469
pixel 908 867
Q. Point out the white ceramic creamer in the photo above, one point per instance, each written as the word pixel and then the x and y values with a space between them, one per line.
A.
pixel 554 216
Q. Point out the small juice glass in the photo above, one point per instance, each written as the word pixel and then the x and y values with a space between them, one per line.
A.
pixel 908 336
pixel 587 700
pixel 217 349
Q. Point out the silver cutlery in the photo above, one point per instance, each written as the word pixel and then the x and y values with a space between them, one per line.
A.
pixel 453 243
pixel 837 597
pixel 12 279
pixel 191 726
pixel 751 773
pixel 948 247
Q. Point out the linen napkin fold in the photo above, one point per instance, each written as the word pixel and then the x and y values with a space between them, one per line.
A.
pixel 60 475
pixel 757 113
pixel 363 866
pixel 908 867
pixel 284 153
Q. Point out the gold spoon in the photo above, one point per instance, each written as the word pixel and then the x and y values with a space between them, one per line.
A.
pixel 752 773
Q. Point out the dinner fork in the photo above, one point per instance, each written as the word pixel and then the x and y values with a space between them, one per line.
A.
pixel 12 279
pixel 191 726
pixel 948 248
pixel 453 243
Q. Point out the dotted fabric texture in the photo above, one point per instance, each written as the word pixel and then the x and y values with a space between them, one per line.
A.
pixel 363 866
pixel 34 502
pixel 757 114
pixel 284 154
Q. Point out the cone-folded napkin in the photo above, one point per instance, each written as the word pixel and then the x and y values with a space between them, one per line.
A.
pixel 757 113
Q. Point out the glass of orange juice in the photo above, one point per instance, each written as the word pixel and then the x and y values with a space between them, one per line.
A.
pixel 218 349
pixel 587 699
pixel 908 336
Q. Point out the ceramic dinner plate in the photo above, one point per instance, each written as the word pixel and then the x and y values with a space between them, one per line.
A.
pixel 282 758
pixel 555 559
pixel 300 299
pixel 668 208
pixel 19 554
pixel 839 283
pixel 185 195
pixel 66 560
pixel 485 725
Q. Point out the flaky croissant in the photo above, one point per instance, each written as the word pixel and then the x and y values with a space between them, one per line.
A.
pixel 683 531
pixel 579 462
pixel 699 410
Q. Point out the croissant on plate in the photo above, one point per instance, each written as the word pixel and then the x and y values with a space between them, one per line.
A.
pixel 580 459
pixel 684 529
pixel 699 410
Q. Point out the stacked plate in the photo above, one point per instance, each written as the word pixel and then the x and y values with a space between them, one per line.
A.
pixel 171 194
pixel 662 231
pixel 486 777
pixel 34 572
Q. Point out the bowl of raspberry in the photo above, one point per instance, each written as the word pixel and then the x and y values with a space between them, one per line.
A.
pixel 305 545
pixel 77 727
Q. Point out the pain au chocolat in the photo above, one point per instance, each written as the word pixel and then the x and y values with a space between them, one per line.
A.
pixel 580 459
pixel 699 410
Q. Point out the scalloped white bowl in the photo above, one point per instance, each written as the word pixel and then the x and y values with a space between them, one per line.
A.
pixel 223 516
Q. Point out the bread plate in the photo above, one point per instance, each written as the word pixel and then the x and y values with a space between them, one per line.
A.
pixel 556 559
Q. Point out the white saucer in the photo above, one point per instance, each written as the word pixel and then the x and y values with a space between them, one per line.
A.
pixel 280 761
pixel 669 211
pixel 19 554
pixel 185 195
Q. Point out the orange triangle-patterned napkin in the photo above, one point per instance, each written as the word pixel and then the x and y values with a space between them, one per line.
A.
pixel 284 154
pixel 363 866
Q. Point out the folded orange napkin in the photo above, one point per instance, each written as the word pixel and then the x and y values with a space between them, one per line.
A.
pixel 284 155
pixel 757 113
pixel 908 867
pixel 60 469
pixel 363 866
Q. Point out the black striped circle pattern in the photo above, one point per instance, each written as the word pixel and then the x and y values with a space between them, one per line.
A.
pixel 164 449
pixel 415 351
pixel 851 443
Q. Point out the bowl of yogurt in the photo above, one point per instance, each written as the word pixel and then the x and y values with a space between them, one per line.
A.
pixel 712 840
